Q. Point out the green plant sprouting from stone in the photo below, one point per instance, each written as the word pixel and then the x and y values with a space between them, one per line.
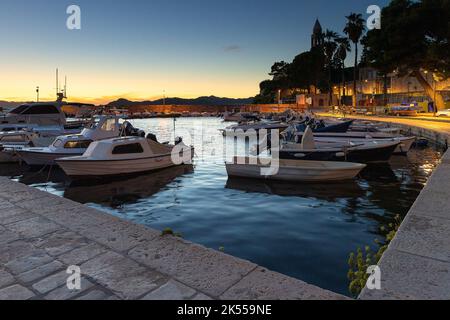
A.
pixel 360 261
pixel 170 232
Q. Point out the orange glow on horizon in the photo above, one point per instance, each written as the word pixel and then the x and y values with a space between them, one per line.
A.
pixel 106 86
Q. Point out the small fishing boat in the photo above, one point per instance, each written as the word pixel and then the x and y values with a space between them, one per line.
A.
pixel 102 127
pixel 238 117
pixel 293 170
pixel 310 149
pixel 320 126
pixel 242 129
pixel 12 141
pixel 125 156
pixel 404 144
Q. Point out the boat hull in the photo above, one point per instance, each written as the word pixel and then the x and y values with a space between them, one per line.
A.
pixel 404 146
pixel 34 158
pixel 8 157
pixel 302 172
pixel 83 169
pixel 374 154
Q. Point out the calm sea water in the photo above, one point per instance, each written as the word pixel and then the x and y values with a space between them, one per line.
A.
pixel 304 230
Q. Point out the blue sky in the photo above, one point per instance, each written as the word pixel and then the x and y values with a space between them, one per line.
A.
pixel 139 49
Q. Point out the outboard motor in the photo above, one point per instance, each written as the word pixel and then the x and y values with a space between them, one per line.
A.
pixel 128 129
pixel 140 133
pixel 152 137
pixel 321 124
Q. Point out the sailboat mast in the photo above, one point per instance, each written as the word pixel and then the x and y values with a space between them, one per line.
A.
pixel 57 83
pixel 65 87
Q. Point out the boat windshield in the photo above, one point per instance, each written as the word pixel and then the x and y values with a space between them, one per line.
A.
pixel 58 143
pixel 20 109
pixel 109 125
pixel 93 124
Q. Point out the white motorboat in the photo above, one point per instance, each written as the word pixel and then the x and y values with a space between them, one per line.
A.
pixel 8 153
pixel 293 170
pixel 12 141
pixel 404 143
pixel 102 127
pixel 232 117
pixel 242 129
pixel 45 117
pixel 124 156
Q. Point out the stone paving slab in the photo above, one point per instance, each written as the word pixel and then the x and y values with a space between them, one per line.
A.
pixel 180 259
pixel 42 234
pixel 262 284
pixel 6 278
pixel 172 290
pixel 16 292
pixel 40 272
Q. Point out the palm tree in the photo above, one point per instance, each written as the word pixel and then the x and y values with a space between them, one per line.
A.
pixel 329 46
pixel 354 29
pixel 343 46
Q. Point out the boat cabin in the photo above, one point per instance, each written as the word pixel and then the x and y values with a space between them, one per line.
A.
pixel 40 114
pixel 102 127
pixel 126 147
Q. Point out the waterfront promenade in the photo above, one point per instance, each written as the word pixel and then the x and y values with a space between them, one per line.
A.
pixel 41 235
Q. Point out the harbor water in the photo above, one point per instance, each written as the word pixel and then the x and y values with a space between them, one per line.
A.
pixel 303 230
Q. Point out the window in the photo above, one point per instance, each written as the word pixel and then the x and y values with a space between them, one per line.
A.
pixel 58 143
pixel 20 109
pixel 109 125
pixel 41 109
pixel 82 144
pixel 128 148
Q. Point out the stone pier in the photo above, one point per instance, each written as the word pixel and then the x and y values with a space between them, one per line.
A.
pixel 416 265
pixel 41 235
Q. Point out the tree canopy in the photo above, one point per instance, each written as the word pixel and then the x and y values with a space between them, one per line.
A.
pixel 413 39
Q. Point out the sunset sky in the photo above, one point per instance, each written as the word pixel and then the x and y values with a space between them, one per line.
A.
pixel 138 49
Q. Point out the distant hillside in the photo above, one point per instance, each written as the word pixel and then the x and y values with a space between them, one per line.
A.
pixel 201 101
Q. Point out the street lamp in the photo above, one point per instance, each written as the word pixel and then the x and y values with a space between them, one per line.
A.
pixel 37 94
pixel 409 95
pixel 279 100
pixel 434 99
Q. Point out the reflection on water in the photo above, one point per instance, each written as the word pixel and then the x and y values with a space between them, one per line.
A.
pixel 119 193
pixel 333 191
pixel 303 230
